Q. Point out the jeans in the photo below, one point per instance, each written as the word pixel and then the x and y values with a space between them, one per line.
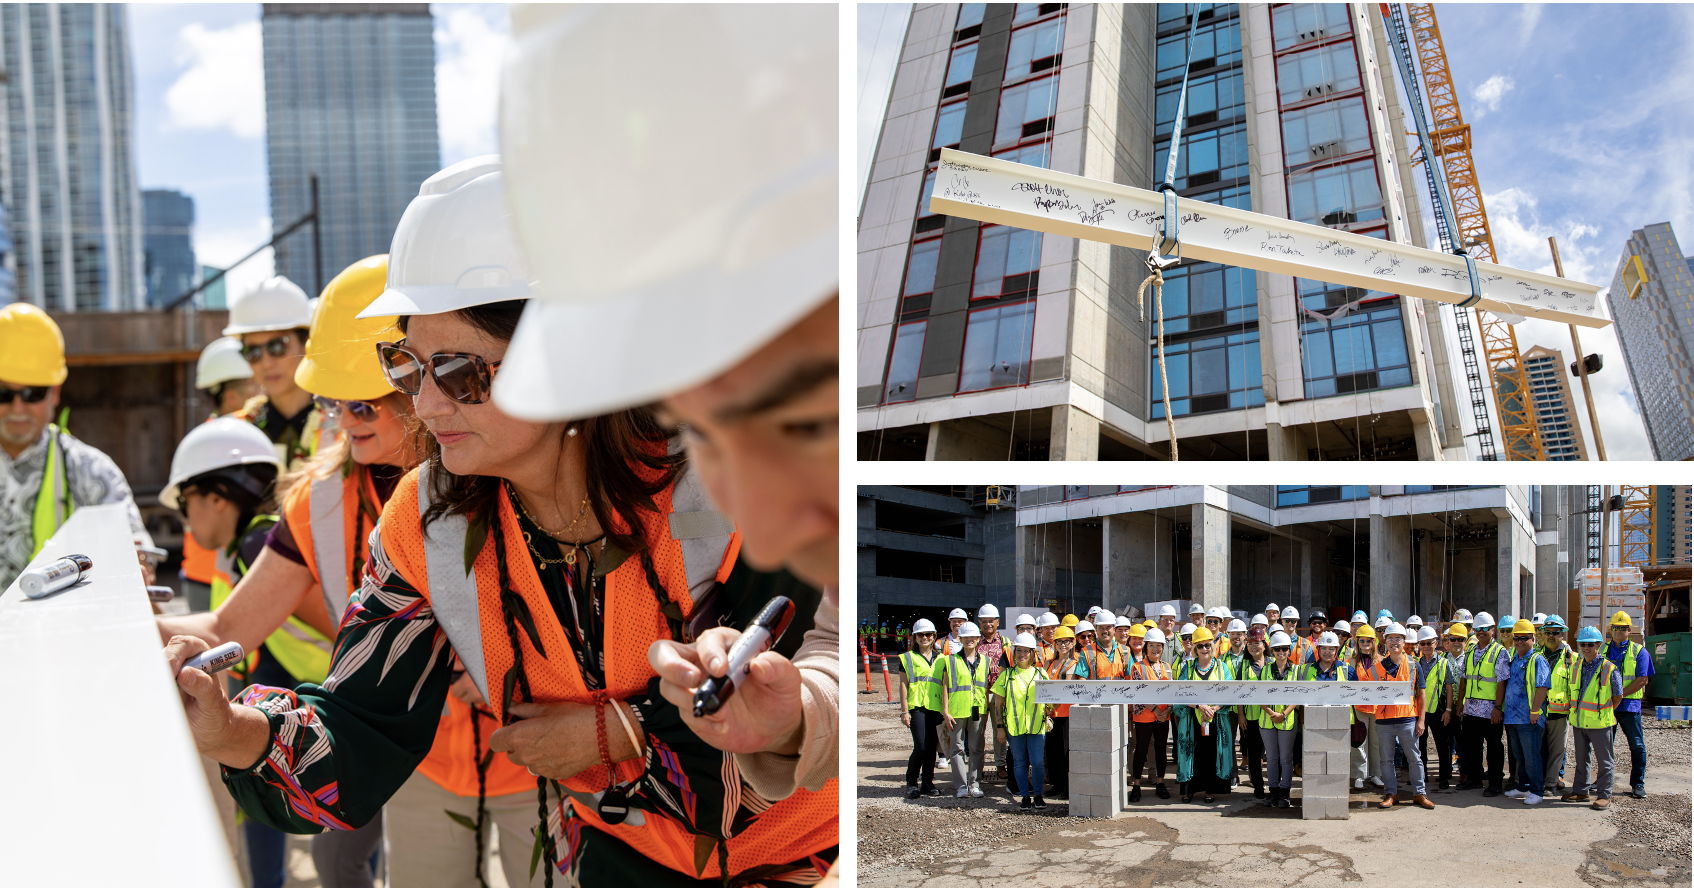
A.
pixel 967 750
pixel 267 849
pixel 1600 741
pixel 1279 756
pixel 1630 724
pixel 1403 733
pixel 1029 762
pixel 924 743
pixel 1526 748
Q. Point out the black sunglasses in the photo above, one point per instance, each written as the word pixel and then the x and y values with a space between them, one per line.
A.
pixel 32 394
pixel 464 378
pixel 363 411
pixel 277 346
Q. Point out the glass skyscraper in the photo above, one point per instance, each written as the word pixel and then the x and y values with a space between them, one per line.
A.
pixel 171 269
pixel 67 164
pixel 1655 324
pixel 350 97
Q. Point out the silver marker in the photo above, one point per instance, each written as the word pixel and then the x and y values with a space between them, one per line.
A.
pixel 219 658
pixel 54 575
pixel 160 593
pixel 152 554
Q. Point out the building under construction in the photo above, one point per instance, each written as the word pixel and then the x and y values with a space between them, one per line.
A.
pixel 980 341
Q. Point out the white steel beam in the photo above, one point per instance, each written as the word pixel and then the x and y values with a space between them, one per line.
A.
pixel 1225 693
pixel 102 782
pixel 991 190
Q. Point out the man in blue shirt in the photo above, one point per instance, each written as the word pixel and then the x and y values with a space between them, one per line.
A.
pixel 1525 704
pixel 1625 654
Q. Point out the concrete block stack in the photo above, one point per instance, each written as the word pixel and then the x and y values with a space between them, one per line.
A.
pixel 1324 763
pixel 1099 751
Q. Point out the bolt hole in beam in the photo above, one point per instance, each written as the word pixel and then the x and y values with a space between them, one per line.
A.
pixel 98 770
pixel 987 189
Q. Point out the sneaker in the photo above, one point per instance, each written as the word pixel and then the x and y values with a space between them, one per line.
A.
pixel 962 792
pixel 1532 799
pixel 1358 783
pixel 976 791
pixel 1024 805
pixel 1040 803
pixel 912 792
pixel 1601 804
pixel 1639 792
pixel 1515 793
pixel 1163 792
pixel 932 792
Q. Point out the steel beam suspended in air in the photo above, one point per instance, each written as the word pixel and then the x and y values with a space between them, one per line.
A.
pixel 1225 693
pixel 987 189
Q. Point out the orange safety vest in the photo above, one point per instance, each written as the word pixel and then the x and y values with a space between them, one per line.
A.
pixel 1377 672
pixel 1109 665
pixel 692 547
pixel 198 562
pixel 1141 670
pixel 322 514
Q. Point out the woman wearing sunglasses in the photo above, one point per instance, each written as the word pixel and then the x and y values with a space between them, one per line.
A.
pixel 271 322
pixel 1204 752
pixel 550 556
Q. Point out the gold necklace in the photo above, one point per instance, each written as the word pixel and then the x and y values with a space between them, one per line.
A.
pixel 569 548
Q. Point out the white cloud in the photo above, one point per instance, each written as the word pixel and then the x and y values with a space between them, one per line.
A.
pixel 1487 96
pixel 225 245
pixel 469 52
pixel 224 86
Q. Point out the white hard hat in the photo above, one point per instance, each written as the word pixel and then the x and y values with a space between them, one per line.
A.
pixel 1260 620
pixel 1538 620
pixel 1025 640
pixel 1381 622
pixel 1461 616
pixel 1426 633
pixel 1047 618
pixel 1092 610
pixel 1083 626
pixel 1187 629
pixel 217 444
pixel 1220 612
pixel 454 249
pixel 1329 639
pixel 958 613
pixel 988 610
pixel 1125 621
pixel 276 304
pixel 697 223
pixel 1343 626
pixel 220 362
pixel 1195 608
pixel 1395 629
pixel 1236 626
pixel 922 626
pixel 1414 620
pixel 1272 607
pixel 1484 620
pixel 969 630
pixel 1024 620
pixel 1155 636
pixel 1280 640
pixel 1105 618
pixel 1290 613
pixel 1167 611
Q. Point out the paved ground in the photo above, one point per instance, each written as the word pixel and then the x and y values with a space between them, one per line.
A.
pixel 955 843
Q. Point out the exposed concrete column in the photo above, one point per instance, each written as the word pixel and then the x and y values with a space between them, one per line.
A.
pixel 1509 553
pixel 1119 559
pixel 1390 565
pixel 1424 436
pixel 955 439
pixel 1284 442
pixel 1209 573
pixel 1075 435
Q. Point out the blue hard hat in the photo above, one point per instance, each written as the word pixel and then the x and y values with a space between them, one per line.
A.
pixel 1358 616
pixel 1589 633
pixel 1508 621
pixel 1385 612
pixel 1554 620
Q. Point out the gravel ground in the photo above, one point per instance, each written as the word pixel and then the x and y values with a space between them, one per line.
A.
pixel 1652 844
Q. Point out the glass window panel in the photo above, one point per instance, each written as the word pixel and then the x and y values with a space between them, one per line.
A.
pixel 1218 41
pixel 923 197
pixel 949 126
pixel 903 362
pixel 1314 73
pixel 959 67
pixel 1390 341
pixel 1025 12
pixel 1032 44
pixel 920 267
pixel 1001 253
pixel 997 344
pixel 1337 194
pixel 1024 103
pixel 1297 23
pixel 1034 155
pixel 970 14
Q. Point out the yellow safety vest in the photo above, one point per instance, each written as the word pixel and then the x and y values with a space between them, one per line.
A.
pixel 923 689
pixel 1434 685
pixel 53 505
pixel 1481 674
pixel 298 648
pixel 1631 653
pixel 1594 707
pixel 966 688
pixel 1247 672
pixel 1287 722
pixel 1558 690
pixel 1023 714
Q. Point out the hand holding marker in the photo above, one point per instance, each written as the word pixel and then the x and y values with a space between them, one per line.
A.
pixel 757 638
pixel 217 659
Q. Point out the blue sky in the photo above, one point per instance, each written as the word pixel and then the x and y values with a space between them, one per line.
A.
pixel 1581 130
pixel 200 121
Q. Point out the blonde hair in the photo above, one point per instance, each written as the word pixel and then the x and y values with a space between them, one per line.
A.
pixel 337 457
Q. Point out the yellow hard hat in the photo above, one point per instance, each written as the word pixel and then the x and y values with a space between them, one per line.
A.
pixel 1458 630
pixel 32 349
pixel 1201 635
pixel 1523 627
pixel 1069 620
pixel 341 361
pixel 1365 631
pixel 1138 631
pixel 1618 619
pixel 1063 632
pixel 1150 624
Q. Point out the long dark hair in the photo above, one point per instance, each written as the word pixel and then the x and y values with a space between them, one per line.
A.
pixel 629 458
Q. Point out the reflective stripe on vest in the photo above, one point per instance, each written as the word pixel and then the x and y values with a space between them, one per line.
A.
pixel 329 539
pixel 1022 693
pixel 53 505
pixel 923 689
pixel 1435 684
pixel 967 687
pixel 1529 679
pixel 1475 677
pixel 1594 703
pixel 1631 653
pixel 1378 671
pixel 1558 690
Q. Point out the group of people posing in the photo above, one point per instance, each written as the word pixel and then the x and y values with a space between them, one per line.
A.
pixel 1474 682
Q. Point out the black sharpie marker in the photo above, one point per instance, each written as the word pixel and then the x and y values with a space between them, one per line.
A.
pixel 757 638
